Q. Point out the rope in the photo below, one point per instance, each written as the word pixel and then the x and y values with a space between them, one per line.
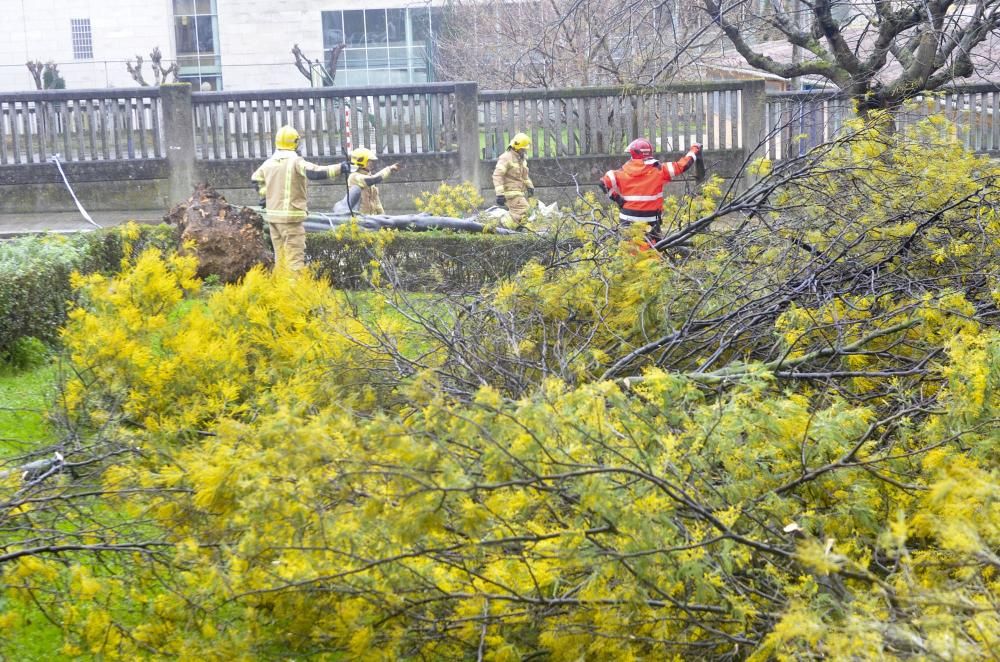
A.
pixel 83 212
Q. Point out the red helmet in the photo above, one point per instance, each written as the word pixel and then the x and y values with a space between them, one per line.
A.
pixel 640 148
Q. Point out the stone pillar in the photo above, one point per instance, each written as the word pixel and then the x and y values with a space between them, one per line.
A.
pixel 754 113
pixel 753 126
pixel 467 125
pixel 178 138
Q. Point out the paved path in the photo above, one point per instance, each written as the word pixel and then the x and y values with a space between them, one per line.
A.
pixel 17 224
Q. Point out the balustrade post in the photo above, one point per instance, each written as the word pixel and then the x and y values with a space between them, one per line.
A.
pixel 178 138
pixel 753 123
pixel 467 126
pixel 754 113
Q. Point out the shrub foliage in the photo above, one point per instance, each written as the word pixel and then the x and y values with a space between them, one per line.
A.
pixel 446 262
pixel 778 441
pixel 35 275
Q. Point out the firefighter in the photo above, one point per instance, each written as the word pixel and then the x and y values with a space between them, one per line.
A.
pixel 362 177
pixel 281 182
pixel 511 180
pixel 637 187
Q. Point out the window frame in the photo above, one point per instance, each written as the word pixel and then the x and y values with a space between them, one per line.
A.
pixel 82 38
pixel 194 64
pixel 418 58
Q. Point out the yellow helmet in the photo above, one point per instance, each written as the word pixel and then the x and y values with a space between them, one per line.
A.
pixel 520 141
pixel 286 138
pixel 361 156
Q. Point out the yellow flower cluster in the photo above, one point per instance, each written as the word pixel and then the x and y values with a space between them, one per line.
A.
pixel 453 200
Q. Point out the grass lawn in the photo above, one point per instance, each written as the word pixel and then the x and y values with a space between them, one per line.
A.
pixel 24 399
pixel 31 637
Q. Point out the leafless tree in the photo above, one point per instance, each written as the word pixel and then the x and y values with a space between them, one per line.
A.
pixel 881 53
pixel 558 43
pixel 46 76
pixel 161 74
pixel 135 70
pixel 308 67
pixel 35 67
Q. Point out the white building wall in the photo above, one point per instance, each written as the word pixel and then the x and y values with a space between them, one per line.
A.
pixel 255 38
pixel 120 29
pixel 13 48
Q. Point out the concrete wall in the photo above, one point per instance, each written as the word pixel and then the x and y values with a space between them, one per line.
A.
pixel 108 185
pixel 418 173
pixel 256 38
pixel 120 29
pixel 145 185
pixel 157 184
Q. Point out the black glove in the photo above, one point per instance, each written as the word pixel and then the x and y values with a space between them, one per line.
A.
pixel 345 168
pixel 262 203
pixel 501 201
pixel 617 199
pixel 531 191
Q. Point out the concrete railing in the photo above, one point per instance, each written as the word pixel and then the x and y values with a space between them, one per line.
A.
pixel 417 119
pixel 591 121
pixel 974 109
pixel 145 148
pixel 798 121
pixel 437 132
pixel 81 125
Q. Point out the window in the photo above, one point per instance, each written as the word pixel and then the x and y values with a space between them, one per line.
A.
pixel 196 30
pixel 83 45
pixel 383 46
pixel 354 27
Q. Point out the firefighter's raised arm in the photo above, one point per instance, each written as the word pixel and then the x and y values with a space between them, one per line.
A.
pixel 671 170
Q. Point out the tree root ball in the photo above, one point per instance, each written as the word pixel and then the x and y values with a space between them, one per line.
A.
pixel 228 240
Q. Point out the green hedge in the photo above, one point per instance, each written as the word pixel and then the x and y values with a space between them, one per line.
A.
pixel 35 271
pixel 35 276
pixel 430 261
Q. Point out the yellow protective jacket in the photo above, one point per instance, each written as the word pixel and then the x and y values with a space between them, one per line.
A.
pixel 510 176
pixel 283 179
pixel 370 201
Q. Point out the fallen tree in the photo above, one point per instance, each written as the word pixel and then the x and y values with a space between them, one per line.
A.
pixel 344 213
pixel 781 442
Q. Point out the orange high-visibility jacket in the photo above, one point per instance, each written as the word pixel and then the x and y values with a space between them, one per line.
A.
pixel 639 185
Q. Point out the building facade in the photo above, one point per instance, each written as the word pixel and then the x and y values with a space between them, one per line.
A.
pixel 220 44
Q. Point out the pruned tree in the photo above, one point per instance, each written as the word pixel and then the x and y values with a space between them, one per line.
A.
pixel 309 68
pixel 46 76
pixel 35 67
pixel 880 53
pixel 160 74
pixel 135 70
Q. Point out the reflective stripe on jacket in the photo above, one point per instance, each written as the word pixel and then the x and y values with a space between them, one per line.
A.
pixel 282 180
pixel 510 176
pixel 640 184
